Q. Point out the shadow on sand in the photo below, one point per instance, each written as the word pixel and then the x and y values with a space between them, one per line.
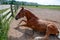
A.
pixel 28 35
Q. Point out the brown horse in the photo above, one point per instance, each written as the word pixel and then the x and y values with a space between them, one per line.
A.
pixel 34 23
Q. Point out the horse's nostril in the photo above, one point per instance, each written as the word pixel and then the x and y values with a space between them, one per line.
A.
pixel 16 18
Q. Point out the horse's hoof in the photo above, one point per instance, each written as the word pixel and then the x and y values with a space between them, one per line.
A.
pixel 38 38
pixel 58 36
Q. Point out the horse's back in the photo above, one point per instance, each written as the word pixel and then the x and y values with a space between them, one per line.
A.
pixel 45 22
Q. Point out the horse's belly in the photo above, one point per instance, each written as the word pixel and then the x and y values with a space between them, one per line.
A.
pixel 40 29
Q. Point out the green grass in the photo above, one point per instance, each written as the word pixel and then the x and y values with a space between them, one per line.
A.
pixel 47 7
pixel 1 11
pixel 4 27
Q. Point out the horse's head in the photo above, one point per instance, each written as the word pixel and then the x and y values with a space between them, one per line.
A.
pixel 20 14
pixel 23 12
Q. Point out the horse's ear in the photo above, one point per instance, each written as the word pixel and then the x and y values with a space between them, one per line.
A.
pixel 22 8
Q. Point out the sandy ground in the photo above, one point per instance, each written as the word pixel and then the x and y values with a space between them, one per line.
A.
pixel 25 33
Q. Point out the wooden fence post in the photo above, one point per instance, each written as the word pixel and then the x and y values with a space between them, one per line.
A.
pixel 12 10
pixel 15 8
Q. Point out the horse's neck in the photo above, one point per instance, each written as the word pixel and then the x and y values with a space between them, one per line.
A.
pixel 31 16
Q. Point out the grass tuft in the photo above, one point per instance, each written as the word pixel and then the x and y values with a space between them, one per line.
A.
pixel 4 27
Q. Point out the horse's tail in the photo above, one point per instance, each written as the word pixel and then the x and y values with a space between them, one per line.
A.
pixel 52 21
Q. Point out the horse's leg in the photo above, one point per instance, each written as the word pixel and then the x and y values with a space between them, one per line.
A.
pixel 23 25
pixel 20 23
pixel 33 32
pixel 48 31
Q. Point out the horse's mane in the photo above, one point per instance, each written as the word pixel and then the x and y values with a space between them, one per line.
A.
pixel 32 15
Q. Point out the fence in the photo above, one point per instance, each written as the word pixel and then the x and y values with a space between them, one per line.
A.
pixel 5 20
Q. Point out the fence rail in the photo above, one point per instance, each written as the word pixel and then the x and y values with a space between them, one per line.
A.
pixel 7 15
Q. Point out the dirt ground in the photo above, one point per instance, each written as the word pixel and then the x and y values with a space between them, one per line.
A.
pixel 25 33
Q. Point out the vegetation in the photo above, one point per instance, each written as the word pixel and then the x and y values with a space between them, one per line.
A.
pixel 3 29
pixel 21 3
pixel 46 6
pixel 4 26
